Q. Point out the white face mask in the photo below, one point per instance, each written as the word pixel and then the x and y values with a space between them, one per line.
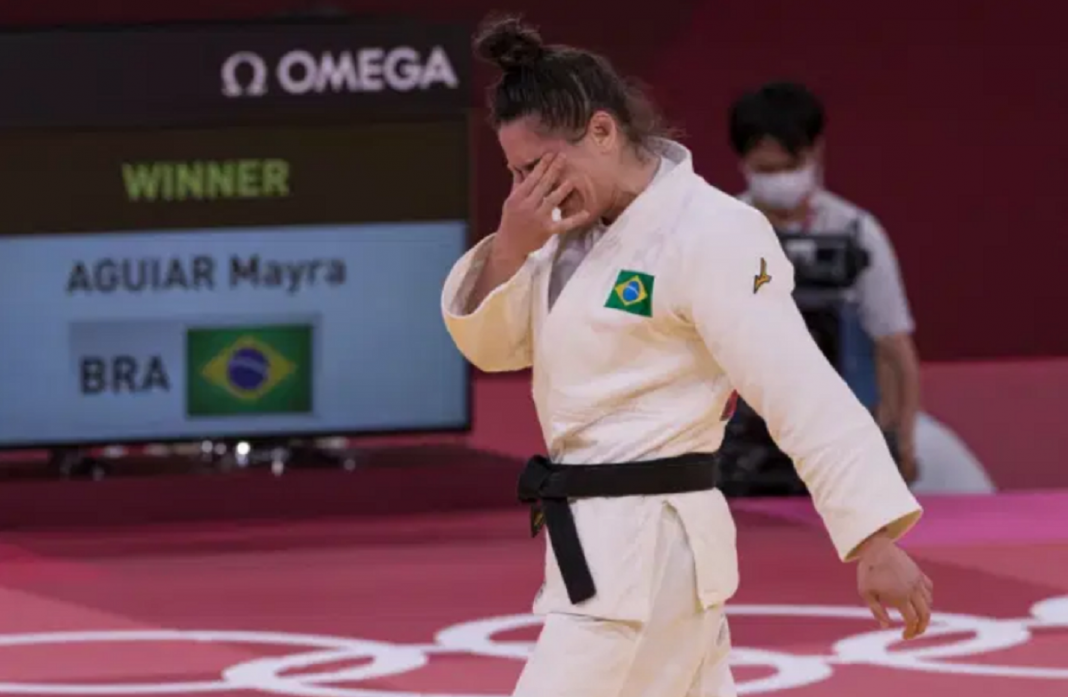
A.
pixel 783 191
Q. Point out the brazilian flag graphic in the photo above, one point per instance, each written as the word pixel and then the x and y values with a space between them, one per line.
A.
pixel 633 293
pixel 249 370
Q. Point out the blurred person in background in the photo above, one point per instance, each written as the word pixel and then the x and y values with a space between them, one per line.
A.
pixel 778 132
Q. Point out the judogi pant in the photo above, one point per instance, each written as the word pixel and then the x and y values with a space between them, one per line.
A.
pixel 681 651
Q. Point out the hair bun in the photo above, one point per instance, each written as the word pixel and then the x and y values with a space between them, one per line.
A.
pixel 509 44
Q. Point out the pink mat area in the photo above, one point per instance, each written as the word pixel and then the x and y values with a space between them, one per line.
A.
pixel 428 605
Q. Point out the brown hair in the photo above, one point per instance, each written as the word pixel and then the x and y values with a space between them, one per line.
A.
pixel 562 86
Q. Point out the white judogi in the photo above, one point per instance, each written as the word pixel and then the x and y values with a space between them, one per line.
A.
pixel 614 386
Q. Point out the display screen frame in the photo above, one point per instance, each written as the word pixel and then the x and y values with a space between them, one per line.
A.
pixel 43 118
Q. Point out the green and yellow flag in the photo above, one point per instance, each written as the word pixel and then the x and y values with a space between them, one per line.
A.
pixel 633 293
pixel 249 370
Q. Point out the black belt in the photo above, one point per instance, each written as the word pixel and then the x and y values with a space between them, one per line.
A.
pixel 547 488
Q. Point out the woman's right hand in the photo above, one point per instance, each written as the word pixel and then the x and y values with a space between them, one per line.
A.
pixel 527 218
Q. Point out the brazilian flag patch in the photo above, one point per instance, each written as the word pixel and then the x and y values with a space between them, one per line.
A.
pixel 633 293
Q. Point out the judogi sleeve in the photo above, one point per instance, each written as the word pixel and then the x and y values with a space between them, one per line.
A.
pixel 496 335
pixel 739 299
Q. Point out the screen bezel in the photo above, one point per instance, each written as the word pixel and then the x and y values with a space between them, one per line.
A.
pixel 321 118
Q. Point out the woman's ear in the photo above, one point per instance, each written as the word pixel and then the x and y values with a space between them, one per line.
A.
pixel 604 131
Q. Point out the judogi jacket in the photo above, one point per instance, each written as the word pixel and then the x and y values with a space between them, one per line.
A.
pixel 684 299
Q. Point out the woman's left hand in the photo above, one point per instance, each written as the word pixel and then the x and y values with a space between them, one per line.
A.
pixel 888 578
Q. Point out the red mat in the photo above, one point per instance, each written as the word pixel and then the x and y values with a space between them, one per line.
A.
pixel 433 607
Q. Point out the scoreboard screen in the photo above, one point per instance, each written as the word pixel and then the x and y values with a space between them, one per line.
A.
pixel 232 254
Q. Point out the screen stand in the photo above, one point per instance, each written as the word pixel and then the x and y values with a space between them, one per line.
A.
pixel 288 455
pixel 75 463
pixel 309 454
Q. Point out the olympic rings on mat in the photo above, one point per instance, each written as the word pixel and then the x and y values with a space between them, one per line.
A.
pixel 363 660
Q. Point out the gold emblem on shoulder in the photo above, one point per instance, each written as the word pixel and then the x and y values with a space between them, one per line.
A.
pixel 762 278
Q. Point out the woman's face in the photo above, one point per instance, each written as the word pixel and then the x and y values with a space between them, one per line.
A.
pixel 590 163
